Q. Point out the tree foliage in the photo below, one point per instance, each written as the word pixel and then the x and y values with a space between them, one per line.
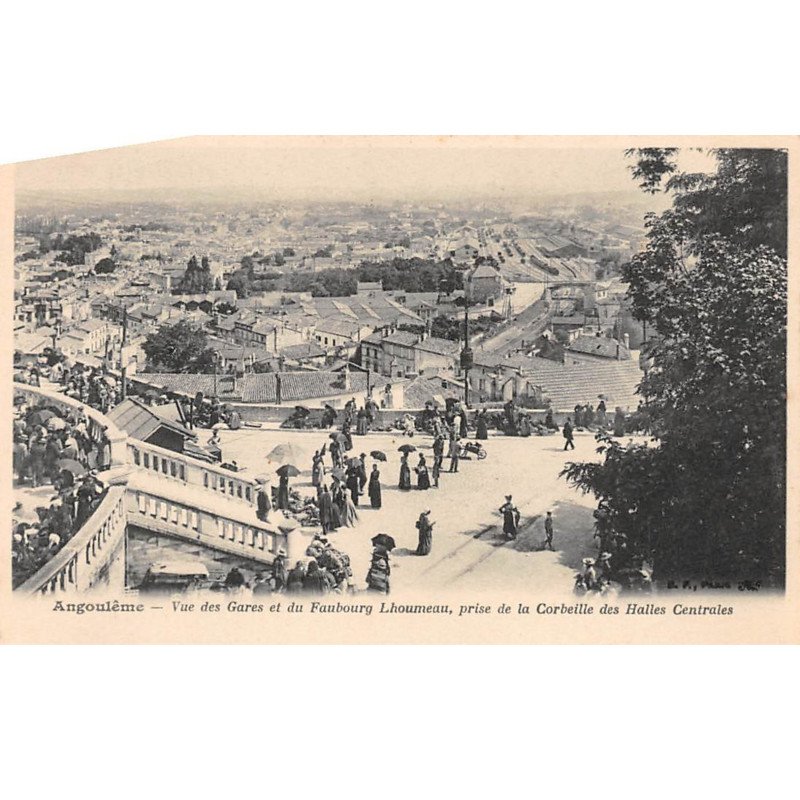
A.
pixel 181 347
pixel 707 498
pixel 197 279
pixel 73 248
pixel 105 266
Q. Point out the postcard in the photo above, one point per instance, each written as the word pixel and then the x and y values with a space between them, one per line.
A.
pixel 402 390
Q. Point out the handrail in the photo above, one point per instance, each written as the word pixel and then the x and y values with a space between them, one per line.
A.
pixel 63 567
pixel 191 471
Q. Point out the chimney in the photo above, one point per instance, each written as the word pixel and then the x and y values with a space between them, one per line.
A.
pixel 618 351
pixel 278 389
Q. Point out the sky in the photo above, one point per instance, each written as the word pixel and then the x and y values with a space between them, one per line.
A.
pixel 312 168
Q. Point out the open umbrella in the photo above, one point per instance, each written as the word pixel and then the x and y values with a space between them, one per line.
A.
pixel 301 411
pixel 262 479
pixel 354 462
pixel 40 417
pixel 383 540
pixel 339 473
pixel 378 455
pixel 338 436
pixel 70 465
pixel 288 469
pixel 285 453
pixel 56 424
pixel 407 448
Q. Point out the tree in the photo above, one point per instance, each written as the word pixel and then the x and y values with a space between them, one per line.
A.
pixel 181 347
pixel 239 283
pixel 706 499
pixel 197 279
pixel 105 266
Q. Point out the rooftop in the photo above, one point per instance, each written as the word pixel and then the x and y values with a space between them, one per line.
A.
pixel 600 346
pixel 141 421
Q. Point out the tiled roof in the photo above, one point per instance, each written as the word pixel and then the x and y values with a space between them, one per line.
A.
pixel 583 383
pixel 339 325
pixel 303 350
pixel 140 421
pixel 442 347
pixel 422 390
pixel 402 338
pixel 485 271
pixel 600 346
pixel 573 319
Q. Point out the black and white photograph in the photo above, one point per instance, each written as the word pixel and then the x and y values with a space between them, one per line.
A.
pixel 401 376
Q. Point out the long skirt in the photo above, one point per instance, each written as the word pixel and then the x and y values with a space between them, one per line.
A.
pixel 375 494
pixel 425 542
pixel 405 478
pixel 351 515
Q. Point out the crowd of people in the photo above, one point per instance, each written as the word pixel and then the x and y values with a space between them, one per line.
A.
pixel 616 565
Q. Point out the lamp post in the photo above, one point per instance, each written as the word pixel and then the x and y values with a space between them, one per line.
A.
pixel 122 358
pixel 466 353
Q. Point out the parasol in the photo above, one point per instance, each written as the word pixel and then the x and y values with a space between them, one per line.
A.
pixel 56 424
pixel 383 540
pixel 262 479
pixel 407 448
pixel 71 465
pixel 338 473
pixel 290 470
pixel 354 462
pixel 338 436
pixel 301 411
pixel 40 417
pixel 378 455
pixel 285 453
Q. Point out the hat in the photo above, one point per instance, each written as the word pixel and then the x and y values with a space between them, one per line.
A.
pixel 282 552
pixel 604 556
pixel 508 497
pixel 589 562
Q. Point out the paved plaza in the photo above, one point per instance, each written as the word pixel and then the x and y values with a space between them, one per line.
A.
pixel 469 548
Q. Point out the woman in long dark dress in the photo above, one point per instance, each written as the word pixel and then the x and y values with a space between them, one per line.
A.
pixel 353 484
pixel 423 478
pixel 510 518
pixel 375 487
pixel 338 504
pixel 326 510
pixel 283 492
pixel 425 528
pixel 405 472
pixel 361 422
pixel 317 470
pixel 482 429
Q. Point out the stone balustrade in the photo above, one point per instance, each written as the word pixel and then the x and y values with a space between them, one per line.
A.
pixel 85 559
pixel 175 467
